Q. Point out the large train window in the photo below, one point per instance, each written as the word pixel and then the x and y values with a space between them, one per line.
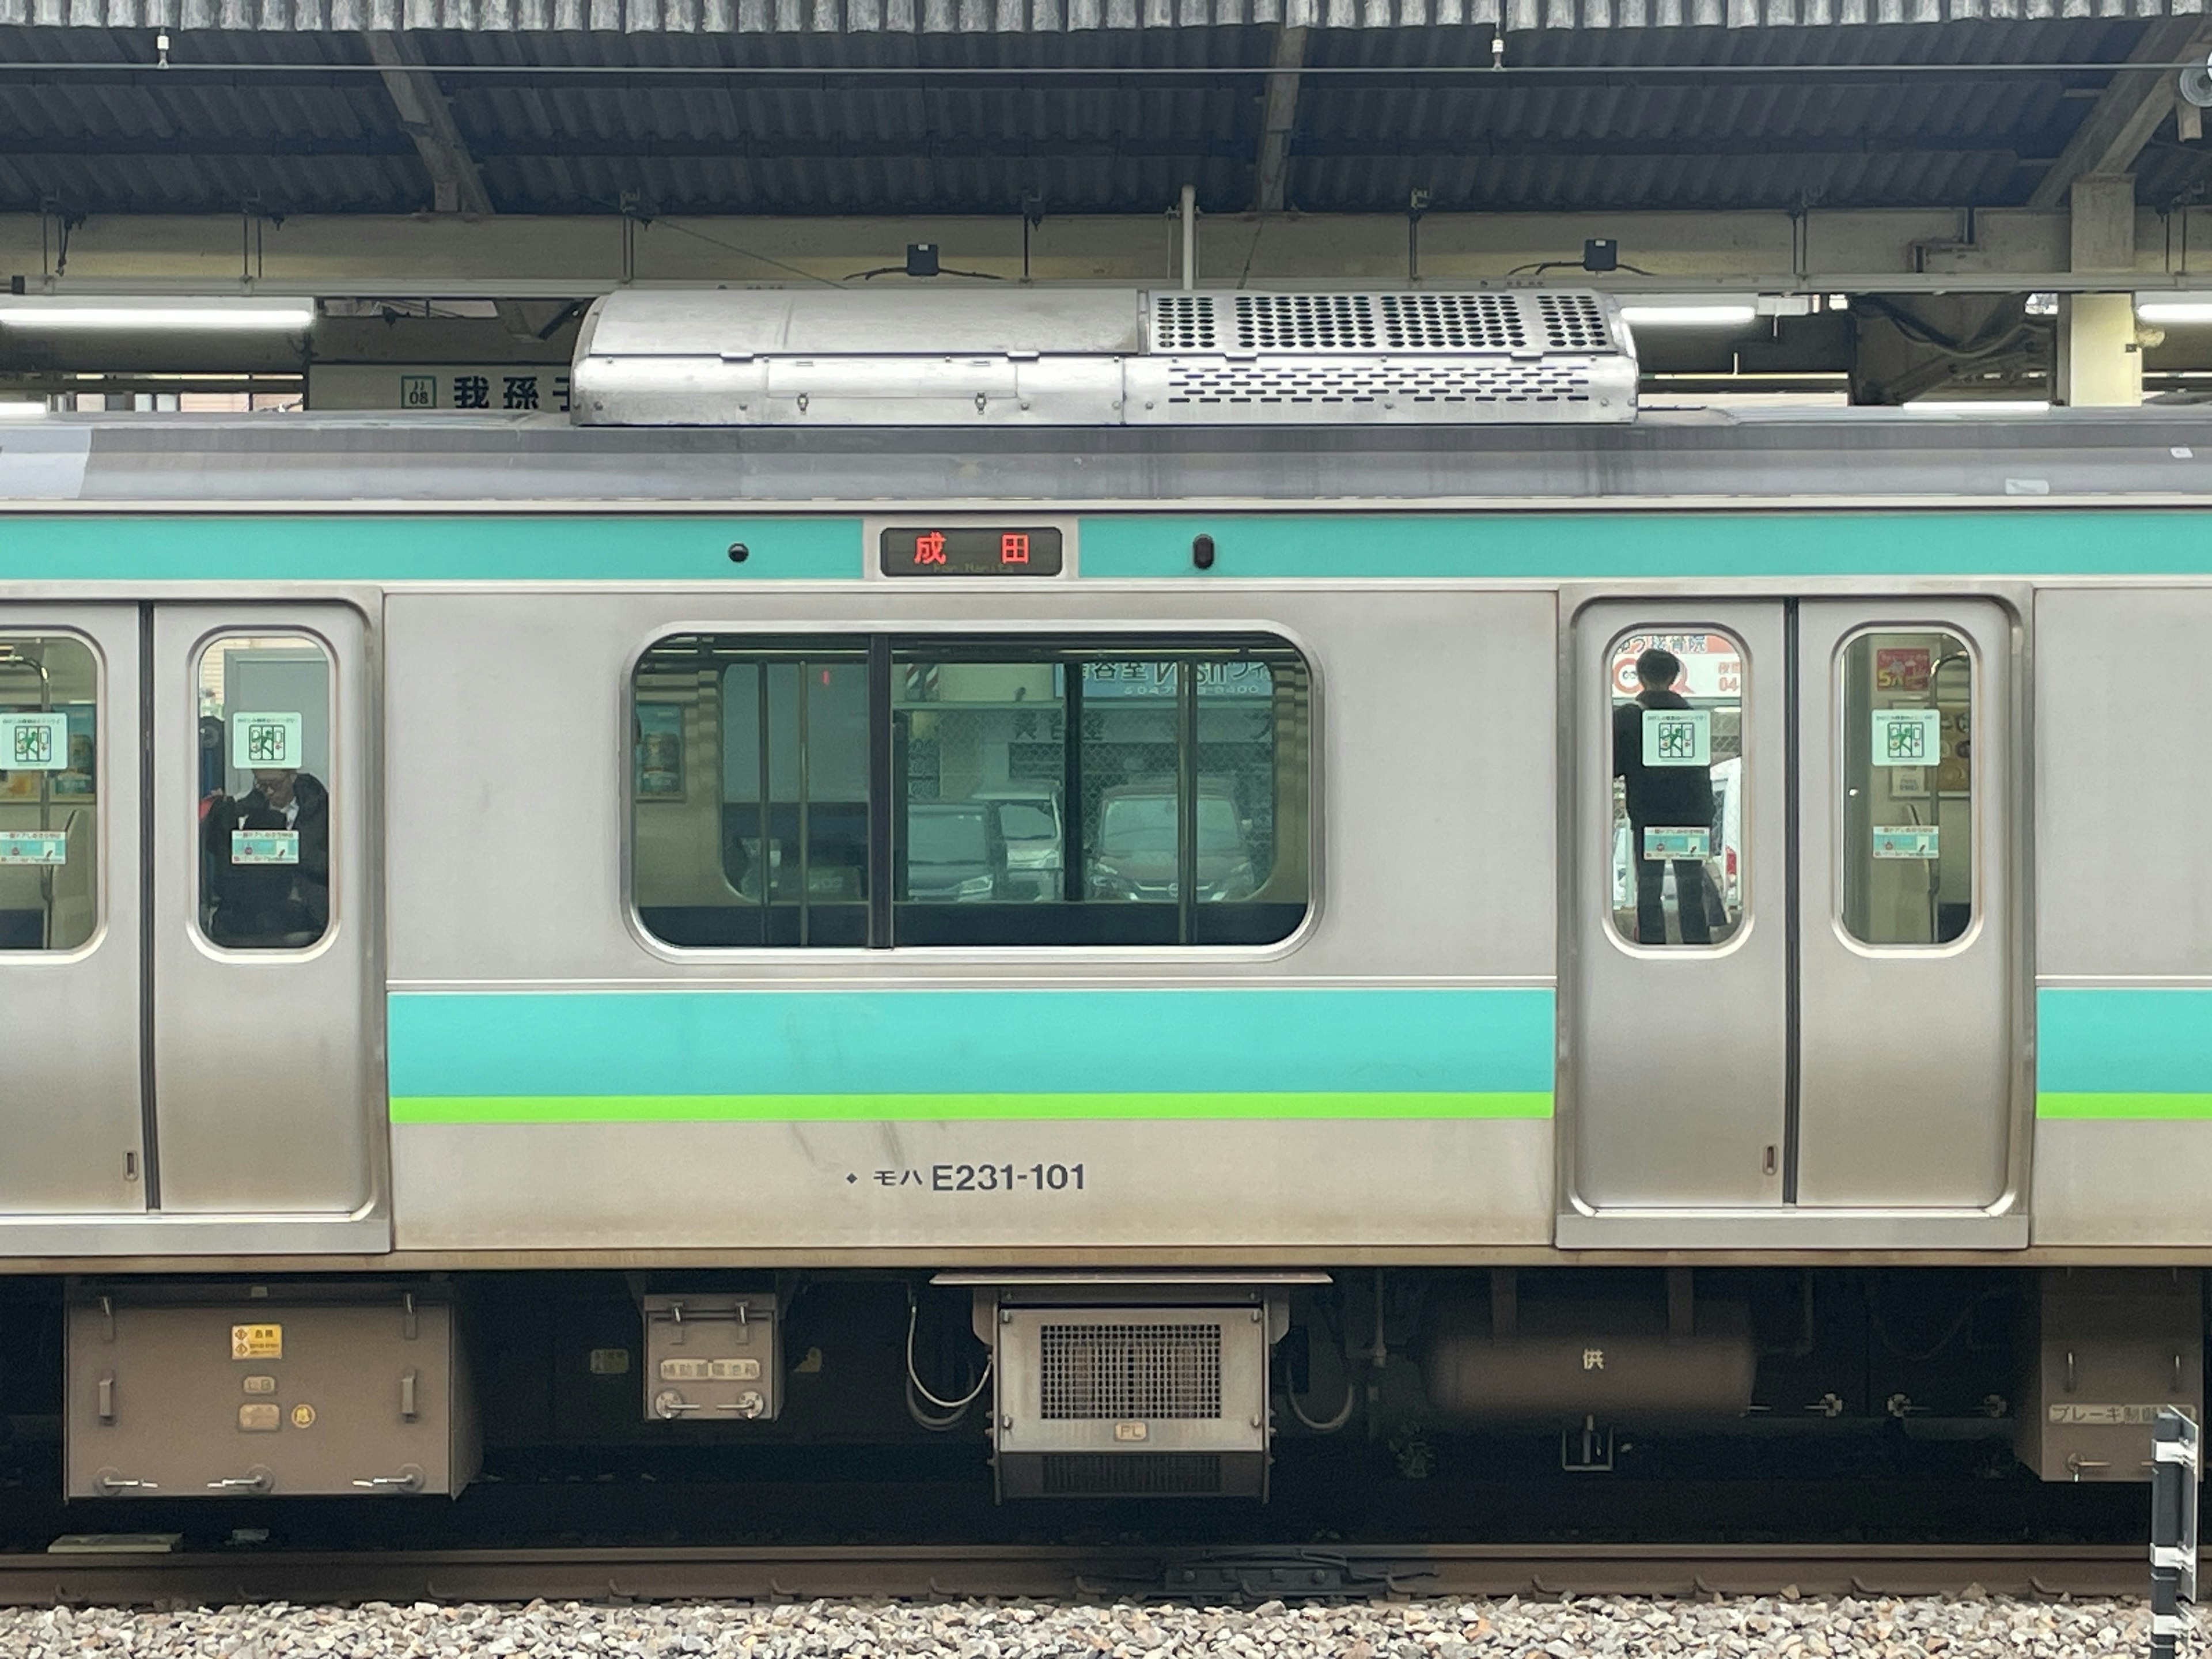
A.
pixel 958 791
pixel 1678 800
pixel 265 781
pixel 49 786
pixel 1907 796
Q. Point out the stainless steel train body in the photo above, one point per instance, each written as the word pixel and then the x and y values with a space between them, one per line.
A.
pixel 498 1052
pixel 1479 1068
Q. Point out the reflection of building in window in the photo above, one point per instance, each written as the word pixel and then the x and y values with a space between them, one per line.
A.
pixel 1908 874
pixel 1038 793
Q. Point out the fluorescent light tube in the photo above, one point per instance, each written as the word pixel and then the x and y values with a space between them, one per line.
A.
pixel 169 316
pixel 2173 311
pixel 22 411
pixel 1976 406
pixel 1707 316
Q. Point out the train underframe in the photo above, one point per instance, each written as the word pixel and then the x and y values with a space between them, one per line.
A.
pixel 1113 1385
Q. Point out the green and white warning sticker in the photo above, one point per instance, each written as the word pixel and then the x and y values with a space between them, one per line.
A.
pixel 1678 737
pixel 265 742
pixel 33 742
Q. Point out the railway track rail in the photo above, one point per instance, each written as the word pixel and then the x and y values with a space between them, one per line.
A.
pixel 1119 1572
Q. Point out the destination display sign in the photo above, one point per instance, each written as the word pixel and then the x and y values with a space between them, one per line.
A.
pixel 971 550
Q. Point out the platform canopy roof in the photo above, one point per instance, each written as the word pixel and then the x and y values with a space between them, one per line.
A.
pixel 656 107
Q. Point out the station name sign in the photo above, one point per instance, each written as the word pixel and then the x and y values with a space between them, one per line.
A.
pixel 970 550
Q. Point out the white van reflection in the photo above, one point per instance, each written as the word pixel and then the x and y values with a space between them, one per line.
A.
pixel 1134 854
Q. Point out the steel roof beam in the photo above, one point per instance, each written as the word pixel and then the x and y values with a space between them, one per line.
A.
pixel 523 256
pixel 1279 119
pixel 2129 110
pixel 1624 150
pixel 457 183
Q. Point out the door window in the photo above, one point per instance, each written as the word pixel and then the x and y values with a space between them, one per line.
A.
pixel 48 785
pixel 1676 832
pixel 265 793
pixel 1907 799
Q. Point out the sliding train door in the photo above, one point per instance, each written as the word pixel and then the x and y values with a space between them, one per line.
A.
pixel 72 1041
pixel 190 1047
pixel 265 1075
pixel 1792 985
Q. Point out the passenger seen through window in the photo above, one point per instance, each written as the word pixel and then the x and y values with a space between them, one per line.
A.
pixel 265 826
pixel 1676 746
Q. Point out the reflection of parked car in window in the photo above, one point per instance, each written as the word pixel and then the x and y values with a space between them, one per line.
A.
pixel 1133 854
pixel 955 853
pixel 1029 820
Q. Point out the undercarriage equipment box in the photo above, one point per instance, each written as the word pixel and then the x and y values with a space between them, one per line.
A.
pixel 240 1389
pixel 2109 1346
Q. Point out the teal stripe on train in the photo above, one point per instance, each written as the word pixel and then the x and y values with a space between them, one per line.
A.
pixel 1547 546
pixel 2124 1052
pixel 423 547
pixel 1448 1051
pixel 1568 545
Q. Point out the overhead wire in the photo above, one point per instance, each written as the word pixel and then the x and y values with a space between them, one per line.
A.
pixel 1393 72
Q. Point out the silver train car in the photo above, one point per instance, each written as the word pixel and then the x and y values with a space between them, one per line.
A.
pixel 1134 836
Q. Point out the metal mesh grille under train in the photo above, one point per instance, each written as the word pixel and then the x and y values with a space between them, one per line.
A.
pixel 1129 1371
pixel 1143 1474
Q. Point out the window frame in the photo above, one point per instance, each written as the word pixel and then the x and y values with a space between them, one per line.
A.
pixel 1842 737
pixel 883 643
pixel 103 782
pixel 1747 890
pixel 333 919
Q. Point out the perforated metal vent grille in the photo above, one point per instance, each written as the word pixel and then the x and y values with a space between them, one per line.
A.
pixel 1129 1371
pixel 1452 322
pixel 1144 1474
pixel 1259 384
pixel 1183 322
pixel 1573 322
pixel 1305 322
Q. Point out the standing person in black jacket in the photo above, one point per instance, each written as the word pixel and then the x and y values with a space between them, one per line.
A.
pixel 269 906
pixel 1668 797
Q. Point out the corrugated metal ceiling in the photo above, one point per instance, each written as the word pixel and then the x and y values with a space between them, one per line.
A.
pixel 295 126
pixel 1036 16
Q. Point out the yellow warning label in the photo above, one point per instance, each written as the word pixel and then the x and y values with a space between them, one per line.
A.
pixel 303 1417
pixel 256 1341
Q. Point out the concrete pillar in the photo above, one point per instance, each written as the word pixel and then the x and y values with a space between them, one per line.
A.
pixel 2099 361
pixel 2102 211
pixel 2099 364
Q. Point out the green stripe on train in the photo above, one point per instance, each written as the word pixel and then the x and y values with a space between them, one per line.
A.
pixel 1570 542
pixel 945 1108
pixel 2125 1106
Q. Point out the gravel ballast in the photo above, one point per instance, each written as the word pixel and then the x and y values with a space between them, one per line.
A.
pixel 1970 1628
